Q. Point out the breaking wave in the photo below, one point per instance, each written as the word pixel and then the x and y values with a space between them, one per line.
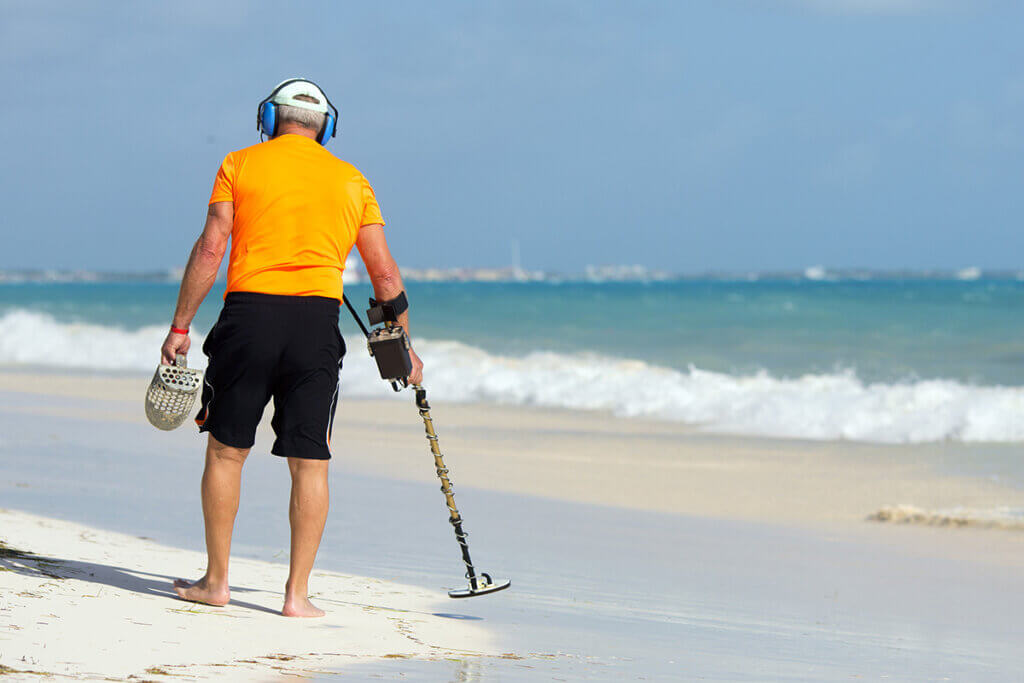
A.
pixel 835 406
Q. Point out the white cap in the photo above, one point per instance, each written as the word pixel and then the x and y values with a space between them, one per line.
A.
pixel 288 93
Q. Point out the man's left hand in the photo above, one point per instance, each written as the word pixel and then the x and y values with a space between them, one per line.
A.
pixel 416 376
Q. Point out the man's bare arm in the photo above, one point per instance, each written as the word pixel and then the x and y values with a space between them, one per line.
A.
pixel 385 278
pixel 200 274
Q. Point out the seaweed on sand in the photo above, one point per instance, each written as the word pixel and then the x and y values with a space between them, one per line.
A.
pixel 12 559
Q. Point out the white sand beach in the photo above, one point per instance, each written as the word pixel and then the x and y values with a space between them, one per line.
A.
pixel 637 550
pixel 86 603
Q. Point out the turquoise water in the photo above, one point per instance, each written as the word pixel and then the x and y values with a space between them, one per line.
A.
pixel 885 331
pixel 887 361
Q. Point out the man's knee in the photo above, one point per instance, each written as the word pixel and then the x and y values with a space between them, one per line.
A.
pixel 217 451
pixel 305 467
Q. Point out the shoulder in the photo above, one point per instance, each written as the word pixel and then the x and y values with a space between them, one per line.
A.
pixel 239 154
pixel 343 167
pixel 234 159
pixel 260 151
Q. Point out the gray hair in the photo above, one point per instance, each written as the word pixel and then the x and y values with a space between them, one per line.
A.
pixel 306 118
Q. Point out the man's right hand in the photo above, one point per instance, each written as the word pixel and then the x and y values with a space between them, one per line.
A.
pixel 416 376
pixel 180 343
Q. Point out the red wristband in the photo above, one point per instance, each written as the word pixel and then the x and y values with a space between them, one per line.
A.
pixel 178 330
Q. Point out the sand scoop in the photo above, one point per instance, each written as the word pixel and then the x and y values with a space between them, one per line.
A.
pixel 172 393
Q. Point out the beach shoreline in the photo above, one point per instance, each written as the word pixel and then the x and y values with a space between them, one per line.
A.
pixel 622 537
pixel 597 458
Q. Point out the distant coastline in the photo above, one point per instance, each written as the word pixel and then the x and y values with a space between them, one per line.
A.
pixel 603 273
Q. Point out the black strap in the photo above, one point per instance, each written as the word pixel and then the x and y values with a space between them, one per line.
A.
pixel 387 311
pixel 352 310
pixel 421 399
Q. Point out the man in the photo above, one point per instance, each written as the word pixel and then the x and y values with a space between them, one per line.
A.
pixel 293 212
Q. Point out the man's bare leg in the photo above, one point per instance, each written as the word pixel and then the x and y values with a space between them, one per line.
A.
pixel 307 513
pixel 220 490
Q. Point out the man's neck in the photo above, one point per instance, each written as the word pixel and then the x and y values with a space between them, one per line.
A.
pixel 293 129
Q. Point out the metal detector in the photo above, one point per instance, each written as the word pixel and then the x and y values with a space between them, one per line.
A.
pixel 389 346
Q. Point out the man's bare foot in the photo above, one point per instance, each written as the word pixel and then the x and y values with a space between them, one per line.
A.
pixel 202 591
pixel 300 607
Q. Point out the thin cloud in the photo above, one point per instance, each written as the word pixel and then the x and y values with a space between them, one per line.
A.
pixel 869 7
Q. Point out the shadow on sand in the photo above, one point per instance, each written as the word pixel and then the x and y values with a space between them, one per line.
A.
pixel 147 583
pixel 135 580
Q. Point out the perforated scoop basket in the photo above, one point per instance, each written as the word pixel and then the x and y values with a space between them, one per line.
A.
pixel 172 393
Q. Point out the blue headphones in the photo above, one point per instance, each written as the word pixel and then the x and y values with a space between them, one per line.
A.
pixel 266 115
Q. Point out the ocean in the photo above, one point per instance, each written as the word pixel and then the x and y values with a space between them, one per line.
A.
pixel 889 361
pixel 900 362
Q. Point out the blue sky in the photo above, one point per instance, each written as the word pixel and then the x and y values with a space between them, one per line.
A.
pixel 688 136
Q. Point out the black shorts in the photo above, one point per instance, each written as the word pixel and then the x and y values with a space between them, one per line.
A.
pixel 285 347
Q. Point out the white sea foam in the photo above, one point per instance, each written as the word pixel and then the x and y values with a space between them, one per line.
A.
pixel 31 338
pixel 824 407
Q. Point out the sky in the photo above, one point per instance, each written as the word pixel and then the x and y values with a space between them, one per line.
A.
pixel 725 135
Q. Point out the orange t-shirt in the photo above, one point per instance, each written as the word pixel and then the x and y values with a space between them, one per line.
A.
pixel 298 210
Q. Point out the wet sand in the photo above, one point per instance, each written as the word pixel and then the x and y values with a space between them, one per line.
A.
pixel 637 549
